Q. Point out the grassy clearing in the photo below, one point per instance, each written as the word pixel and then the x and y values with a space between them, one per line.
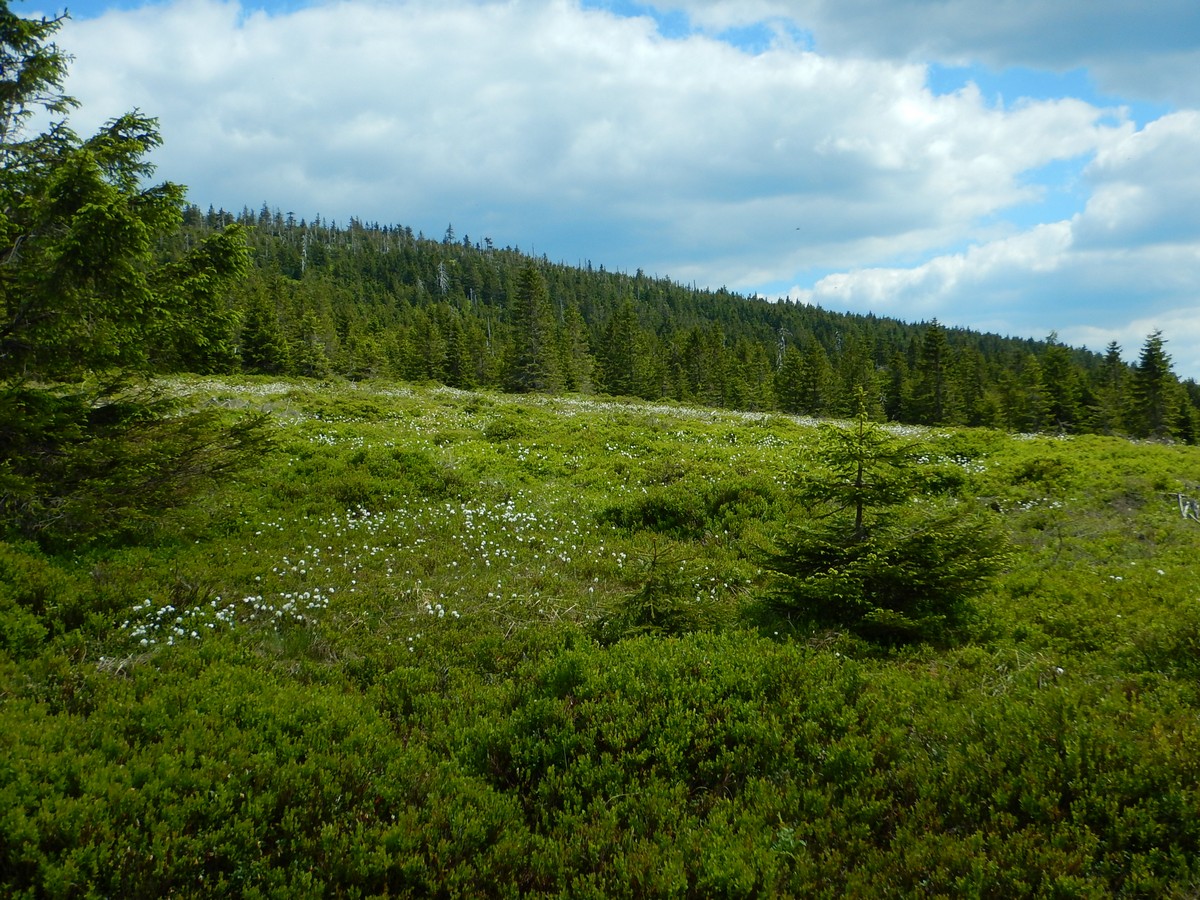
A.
pixel 461 644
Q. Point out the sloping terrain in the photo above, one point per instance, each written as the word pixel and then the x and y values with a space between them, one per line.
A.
pixel 446 643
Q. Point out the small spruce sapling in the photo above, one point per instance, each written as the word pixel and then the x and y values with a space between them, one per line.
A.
pixel 665 601
pixel 885 549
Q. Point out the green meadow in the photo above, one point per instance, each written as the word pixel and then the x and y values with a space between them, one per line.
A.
pixel 442 643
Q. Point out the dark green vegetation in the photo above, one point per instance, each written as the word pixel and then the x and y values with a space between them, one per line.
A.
pixel 364 300
pixel 91 301
pixel 285 637
pixel 460 644
pixel 866 555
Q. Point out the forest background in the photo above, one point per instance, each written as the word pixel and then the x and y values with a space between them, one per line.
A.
pixel 365 300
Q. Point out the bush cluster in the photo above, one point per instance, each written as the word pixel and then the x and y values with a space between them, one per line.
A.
pixel 698 766
pixel 506 690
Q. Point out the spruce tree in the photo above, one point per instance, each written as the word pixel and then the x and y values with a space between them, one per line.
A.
pixel 575 354
pixel 855 373
pixel 1155 392
pixel 533 363
pixel 884 547
pixel 89 449
pixel 263 347
pixel 787 380
pixel 460 367
pixel 80 286
pixel 1111 401
pixel 1027 404
pixel 898 393
pixel 622 370
pixel 307 348
pixel 932 400
pixel 1061 387
pixel 815 388
pixel 980 405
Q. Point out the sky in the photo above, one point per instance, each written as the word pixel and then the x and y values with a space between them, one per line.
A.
pixel 1020 167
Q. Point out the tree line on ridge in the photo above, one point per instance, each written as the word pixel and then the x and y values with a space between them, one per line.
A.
pixel 364 300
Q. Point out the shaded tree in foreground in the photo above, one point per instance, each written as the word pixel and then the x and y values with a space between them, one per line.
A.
pixel 88 305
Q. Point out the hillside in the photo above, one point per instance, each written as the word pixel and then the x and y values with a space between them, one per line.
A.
pixel 365 300
pixel 411 651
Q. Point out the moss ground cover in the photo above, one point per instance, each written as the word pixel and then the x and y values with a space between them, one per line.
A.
pixel 442 643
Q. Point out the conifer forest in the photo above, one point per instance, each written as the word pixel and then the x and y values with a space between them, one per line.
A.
pixel 368 301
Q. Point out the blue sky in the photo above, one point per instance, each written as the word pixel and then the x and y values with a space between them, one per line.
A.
pixel 1022 167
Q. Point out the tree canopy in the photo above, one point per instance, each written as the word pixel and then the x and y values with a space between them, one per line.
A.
pixel 81 285
pixel 365 300
pixel 88 302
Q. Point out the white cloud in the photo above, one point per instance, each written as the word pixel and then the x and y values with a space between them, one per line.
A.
pixel 944 286
pixel 1127 265
pixel 1147 186
pixel 473 111
pixel 1133 50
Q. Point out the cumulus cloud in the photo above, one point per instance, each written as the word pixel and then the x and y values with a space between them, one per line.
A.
pixel 1147 187
pixel 697 158
pixel 1127 265
pixel 975 286
pixel 1132 50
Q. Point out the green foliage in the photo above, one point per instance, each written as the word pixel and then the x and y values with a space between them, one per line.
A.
pixel 1064 393
pixel 367 477
pixel 669 599
pixel 906 579
pixel 692 508
pixel 877 551
pixel 100 463
pixel 447 644
pixel 30 589
pixel 77 291
pixel 804 382
pixel 1156 395
pixel 534 364
pixel 477 685
pixel 933 399
pixel 378 301
pixel 702 766
pixel 263 346
pixel 626 365
pixel 87 458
